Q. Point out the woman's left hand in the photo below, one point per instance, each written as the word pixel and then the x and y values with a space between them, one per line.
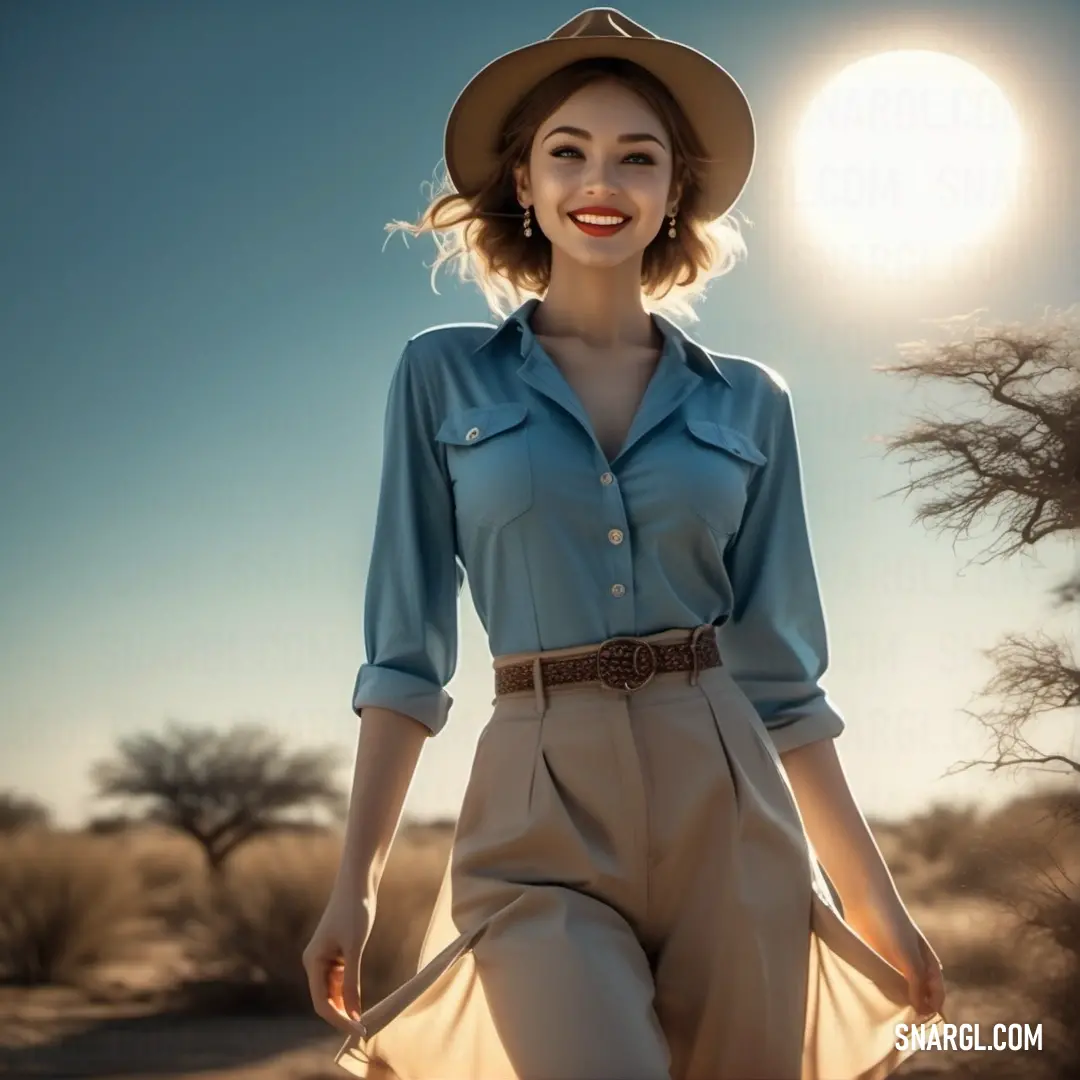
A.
pixel 889 930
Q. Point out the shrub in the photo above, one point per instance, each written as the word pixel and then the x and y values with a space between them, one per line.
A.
pixel 19 812
pixel 262 911
pixel 65 907
pixel 941 831
pixel 110 824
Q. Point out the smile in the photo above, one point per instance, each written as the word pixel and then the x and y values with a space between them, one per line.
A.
pixel 599 224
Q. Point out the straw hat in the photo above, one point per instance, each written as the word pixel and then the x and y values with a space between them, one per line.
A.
pixel 712 100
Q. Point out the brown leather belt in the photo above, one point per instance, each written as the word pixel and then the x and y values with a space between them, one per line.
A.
pixel 620 663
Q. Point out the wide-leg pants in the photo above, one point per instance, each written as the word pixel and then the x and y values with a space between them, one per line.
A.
pixel 631 896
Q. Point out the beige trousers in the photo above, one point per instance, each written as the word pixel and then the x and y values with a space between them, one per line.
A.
pixel 631 896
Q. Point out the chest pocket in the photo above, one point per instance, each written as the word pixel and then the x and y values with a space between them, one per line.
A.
pixel 724 462
pixel 487 452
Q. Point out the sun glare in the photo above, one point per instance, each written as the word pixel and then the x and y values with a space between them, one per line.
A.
pixel 905 159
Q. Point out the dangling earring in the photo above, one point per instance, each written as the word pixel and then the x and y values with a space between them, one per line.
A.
pixel 527 224
pixel 671 225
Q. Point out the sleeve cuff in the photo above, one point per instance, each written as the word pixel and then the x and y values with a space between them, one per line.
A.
pixel 789 733
pixel 385 688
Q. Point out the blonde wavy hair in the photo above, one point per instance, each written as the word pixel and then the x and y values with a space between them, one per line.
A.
pixel 482 237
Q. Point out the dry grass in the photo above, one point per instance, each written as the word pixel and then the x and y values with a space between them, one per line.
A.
pixel 64 908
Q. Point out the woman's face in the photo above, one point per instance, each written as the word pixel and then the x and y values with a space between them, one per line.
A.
pixel 603 153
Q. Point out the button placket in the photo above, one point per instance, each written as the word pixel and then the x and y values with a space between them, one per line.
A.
pixel 616 536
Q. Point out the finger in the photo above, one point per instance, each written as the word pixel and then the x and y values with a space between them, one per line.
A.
pixel 933 990
pixel 337 984
pixel 918 988
pixel 937 990
pixel 930 958
pixel 334 984
pixel 935 974
pixel 321 979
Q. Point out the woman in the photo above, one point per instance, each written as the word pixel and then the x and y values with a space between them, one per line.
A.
pixel 634 889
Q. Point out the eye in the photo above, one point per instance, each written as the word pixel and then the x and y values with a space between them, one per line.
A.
pixel 645 159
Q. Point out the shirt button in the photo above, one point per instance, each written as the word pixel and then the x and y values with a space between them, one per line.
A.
pixel 618 590
pixel 472 433
pixel 606 478
pixel 615 536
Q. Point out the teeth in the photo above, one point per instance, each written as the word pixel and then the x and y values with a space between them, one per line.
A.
pixel 597 219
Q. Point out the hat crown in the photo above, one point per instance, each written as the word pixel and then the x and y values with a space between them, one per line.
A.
pixel 601 22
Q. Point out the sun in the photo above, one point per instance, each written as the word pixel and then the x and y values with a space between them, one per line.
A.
pixel 906 158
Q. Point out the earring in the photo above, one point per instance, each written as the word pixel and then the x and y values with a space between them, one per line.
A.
pixel 671 225
pixel 527 224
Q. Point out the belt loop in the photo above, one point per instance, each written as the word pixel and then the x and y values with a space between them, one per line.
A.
pixel 538 686
pixel 694 654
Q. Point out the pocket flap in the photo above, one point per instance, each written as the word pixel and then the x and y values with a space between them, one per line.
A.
pixel 726 438
pixel 469 427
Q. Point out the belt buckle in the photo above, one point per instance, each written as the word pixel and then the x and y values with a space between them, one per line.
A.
pixel 619 664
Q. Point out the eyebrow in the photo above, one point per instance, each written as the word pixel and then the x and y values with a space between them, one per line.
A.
pixel 581 133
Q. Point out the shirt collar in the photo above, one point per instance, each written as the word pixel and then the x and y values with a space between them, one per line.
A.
pixel 687 350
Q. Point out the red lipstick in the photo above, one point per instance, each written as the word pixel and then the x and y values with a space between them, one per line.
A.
pixel 594 229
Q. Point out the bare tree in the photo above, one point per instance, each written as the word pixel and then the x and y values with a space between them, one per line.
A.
pixel 1017 452
pixel 221 788
pixel 1013 453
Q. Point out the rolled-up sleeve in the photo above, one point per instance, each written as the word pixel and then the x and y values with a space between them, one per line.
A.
pixel 775 643
pixel 414 578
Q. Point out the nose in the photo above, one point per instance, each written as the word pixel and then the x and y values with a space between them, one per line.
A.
pixel 598 179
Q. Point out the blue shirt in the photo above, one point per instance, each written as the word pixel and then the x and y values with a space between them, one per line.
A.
pixel 491 469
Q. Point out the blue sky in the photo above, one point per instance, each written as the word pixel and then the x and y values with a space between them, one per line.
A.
pixel 198 322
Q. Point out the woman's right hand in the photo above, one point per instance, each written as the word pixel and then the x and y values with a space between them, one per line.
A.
pixel 388 747
pixel 332 957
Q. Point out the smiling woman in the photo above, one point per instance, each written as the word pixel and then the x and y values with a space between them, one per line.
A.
pixel 631 891
pixel 905 157
pixel 489 239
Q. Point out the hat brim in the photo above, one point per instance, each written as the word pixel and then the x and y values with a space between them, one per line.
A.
pixel 713 102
